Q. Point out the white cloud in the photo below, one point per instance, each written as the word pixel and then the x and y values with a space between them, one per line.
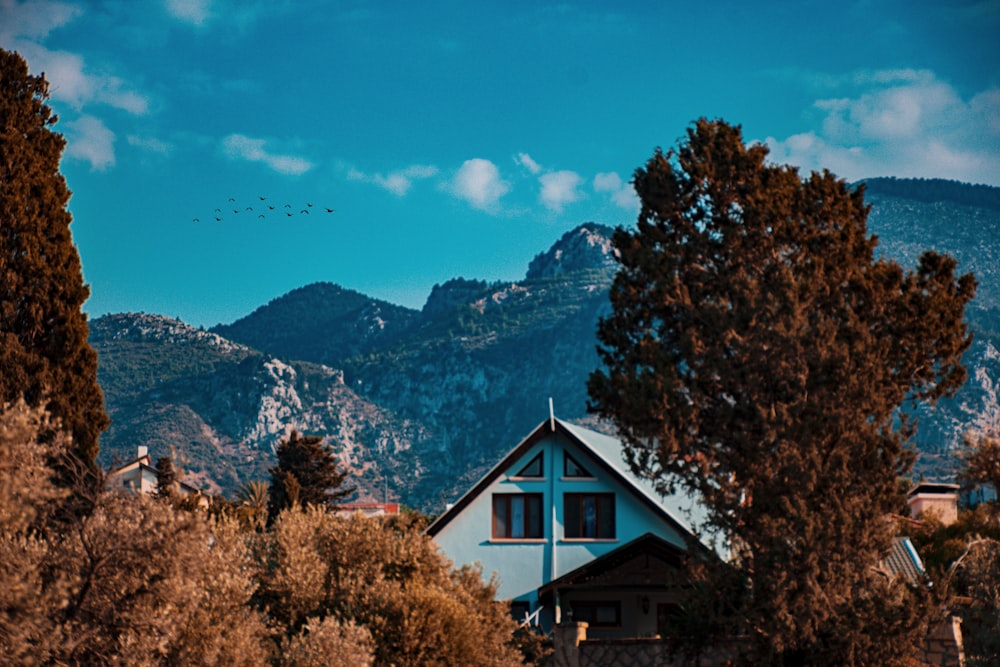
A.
pixel 904 123
pixel 149 144
pixel 622 193
pixel 558 189
pixel 192 11
pixel 23 25
pixel 397 182
pixel 478 182
pixel 33 20
pixel 238 146
pixel 525 161
pixel 89 139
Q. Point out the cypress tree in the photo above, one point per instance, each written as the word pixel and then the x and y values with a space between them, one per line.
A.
pixel 760 356
pixel 307 474
pixel 44 353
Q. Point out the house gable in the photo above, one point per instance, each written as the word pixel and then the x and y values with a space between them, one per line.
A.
pixel 531 528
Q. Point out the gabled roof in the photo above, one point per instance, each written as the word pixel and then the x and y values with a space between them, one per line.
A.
pixel 647 544
pixel 601 450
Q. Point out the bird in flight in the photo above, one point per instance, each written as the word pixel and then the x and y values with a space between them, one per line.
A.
pixel 305 210
pixel 232 199
pixel 330 210
pixel 195 220
pixel 262 198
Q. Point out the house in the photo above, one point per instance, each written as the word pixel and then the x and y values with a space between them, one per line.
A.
pixel 139 476
pixel 366 509
pixel 933 498
pixel 574 535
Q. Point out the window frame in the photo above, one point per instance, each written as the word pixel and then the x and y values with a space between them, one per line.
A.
pixel 567 458
pixel 526 523
pixel 540 458
pixel 579 532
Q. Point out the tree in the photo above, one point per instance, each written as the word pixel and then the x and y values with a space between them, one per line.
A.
pixel 166 478
pixel 307 474
pixel 326 572
pixel 981 459
pixel 44 354
pixel 760 356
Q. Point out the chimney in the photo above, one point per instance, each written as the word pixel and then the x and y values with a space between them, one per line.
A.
pixel 142 451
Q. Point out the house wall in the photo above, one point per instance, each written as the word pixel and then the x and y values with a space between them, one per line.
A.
pixel 943 506
pixel 524 565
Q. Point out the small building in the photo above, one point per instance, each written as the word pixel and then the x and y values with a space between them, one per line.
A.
pixel 139 476
pixel 573 534
pixel 366 509
pixel 936 499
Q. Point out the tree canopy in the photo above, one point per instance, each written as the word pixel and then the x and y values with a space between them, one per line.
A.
pixel 760 355
pixel 44 354
pixel 307 474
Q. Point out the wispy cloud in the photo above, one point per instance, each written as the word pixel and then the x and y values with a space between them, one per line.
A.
pixel 91 140
pixel 558 189
pixel 149 144
pixel 903 123
pixel 23 26
pixel 397 182
pixel 622 194
pixel 242 147
pixel 525 161
pixel 479 183
pixel 192 11
pixel 34 20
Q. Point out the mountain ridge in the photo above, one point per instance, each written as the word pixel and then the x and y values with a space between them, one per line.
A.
pixel 419 403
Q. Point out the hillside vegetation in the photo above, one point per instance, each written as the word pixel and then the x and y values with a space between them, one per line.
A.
pixel 420 403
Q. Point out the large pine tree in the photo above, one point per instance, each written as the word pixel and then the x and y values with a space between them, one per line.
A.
pixel 44 354
pixel 759 355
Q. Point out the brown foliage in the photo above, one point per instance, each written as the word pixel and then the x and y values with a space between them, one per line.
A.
pixel 758 355
pixel 385 575
pixel 44 354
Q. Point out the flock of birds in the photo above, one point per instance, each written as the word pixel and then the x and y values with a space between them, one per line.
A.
pixel 263 208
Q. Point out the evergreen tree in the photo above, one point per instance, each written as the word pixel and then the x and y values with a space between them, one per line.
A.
pixel 759 356
pixel 307 474
pixel 44 354
pixel 166 478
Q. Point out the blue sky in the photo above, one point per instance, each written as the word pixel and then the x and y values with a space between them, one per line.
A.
pixel 458 138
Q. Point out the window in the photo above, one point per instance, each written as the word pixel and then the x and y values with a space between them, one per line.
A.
pixel 589 515
pixel 533 469
pixel 598 614
pixel 517 515
pixel 573 469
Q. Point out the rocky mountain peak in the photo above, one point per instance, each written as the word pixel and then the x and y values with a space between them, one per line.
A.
pixel 585 247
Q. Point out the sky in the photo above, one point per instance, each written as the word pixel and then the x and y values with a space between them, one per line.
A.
pixel 458 139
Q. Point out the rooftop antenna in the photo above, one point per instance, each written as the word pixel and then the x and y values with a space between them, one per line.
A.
pixel 552 416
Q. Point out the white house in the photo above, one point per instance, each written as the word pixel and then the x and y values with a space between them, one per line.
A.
pixel 573 534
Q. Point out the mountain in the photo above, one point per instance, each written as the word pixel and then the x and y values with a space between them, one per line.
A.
pixel 420 403
pixel 219 408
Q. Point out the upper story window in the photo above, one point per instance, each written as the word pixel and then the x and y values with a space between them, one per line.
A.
pixel 517 516
pixel 571 468
pixel 589 515
pixel 533 468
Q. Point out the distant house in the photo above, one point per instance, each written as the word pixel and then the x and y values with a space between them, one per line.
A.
pixel 933 498
pixel 573 534
pixel 139 476
pixel 366 509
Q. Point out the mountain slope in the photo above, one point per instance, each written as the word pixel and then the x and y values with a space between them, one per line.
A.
pixel 419 403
